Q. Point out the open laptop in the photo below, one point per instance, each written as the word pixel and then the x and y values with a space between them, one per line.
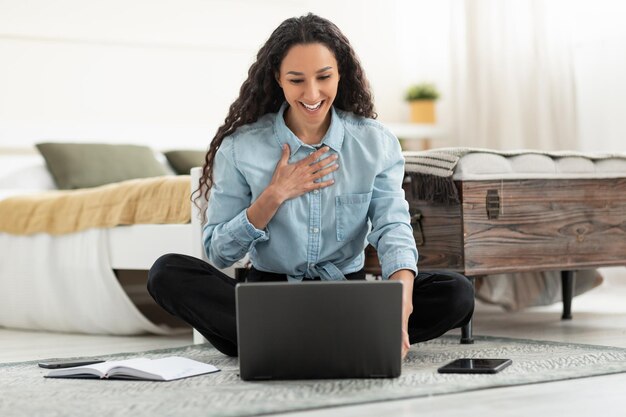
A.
pixel 344 329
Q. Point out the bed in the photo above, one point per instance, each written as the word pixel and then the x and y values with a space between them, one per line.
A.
pixel 66 281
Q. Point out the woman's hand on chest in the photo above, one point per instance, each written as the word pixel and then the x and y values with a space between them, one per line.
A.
pixel 298 178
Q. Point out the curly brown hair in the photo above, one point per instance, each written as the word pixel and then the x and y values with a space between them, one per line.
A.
pixel 260 93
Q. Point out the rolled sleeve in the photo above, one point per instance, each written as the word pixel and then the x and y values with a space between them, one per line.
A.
pixel 393 262
pixel 244 232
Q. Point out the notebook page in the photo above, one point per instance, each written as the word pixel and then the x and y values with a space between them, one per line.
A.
pixel 173 367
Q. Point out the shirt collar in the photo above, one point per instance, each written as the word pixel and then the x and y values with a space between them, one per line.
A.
pixel 333 137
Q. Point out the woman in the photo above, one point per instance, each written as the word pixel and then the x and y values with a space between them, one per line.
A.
pixel 297 174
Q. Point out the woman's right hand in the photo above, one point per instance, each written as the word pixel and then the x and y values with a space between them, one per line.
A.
pixel 292 180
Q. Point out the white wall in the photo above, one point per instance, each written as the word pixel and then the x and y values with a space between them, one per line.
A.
pixel 163 72
pixel 156 72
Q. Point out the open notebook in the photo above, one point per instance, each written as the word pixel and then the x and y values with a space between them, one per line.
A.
pixel 164 369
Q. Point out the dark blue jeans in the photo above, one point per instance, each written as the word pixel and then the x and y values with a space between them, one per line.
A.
pixel 204 297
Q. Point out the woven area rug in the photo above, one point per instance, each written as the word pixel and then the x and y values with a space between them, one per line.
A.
pixel 24 391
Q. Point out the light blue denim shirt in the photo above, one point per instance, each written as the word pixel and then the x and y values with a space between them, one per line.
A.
pixel 322 233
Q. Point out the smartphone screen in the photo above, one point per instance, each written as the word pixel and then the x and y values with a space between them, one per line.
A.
pixel 475 366
pixel 67 363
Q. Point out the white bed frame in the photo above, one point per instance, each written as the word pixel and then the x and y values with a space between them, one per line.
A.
pixel 138 246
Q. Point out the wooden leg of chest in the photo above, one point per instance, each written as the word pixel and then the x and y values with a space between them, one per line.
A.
pixel 567 283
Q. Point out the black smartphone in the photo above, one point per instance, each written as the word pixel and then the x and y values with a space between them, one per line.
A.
pixel 475 366
pixel 67 363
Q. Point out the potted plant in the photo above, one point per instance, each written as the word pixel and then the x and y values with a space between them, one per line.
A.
pixel 421 98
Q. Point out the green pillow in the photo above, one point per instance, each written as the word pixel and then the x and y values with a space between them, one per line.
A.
pixel 83 165
pixel 183 160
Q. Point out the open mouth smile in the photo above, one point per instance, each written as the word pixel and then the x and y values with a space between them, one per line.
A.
pixel 313 107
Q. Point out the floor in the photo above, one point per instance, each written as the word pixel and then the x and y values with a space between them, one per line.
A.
pixel 599 318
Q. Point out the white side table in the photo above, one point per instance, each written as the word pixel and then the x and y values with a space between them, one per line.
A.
pixel 422 134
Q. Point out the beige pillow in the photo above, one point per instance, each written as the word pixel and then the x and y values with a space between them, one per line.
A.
pixel 84 165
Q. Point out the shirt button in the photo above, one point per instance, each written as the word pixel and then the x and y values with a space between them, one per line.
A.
pixel 316 191
pixel 311 266
pixel 315 230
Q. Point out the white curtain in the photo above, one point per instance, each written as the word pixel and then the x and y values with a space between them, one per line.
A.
pixel 512 75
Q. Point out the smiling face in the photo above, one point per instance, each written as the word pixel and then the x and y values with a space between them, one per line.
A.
pixel 309 77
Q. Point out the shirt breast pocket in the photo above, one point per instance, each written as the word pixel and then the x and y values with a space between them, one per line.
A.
pixel 351 213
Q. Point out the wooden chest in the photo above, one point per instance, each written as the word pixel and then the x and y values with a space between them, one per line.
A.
pixel 522 212
pixel 523 225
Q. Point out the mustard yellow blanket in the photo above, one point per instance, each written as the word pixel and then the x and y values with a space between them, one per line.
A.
pixel 148 200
